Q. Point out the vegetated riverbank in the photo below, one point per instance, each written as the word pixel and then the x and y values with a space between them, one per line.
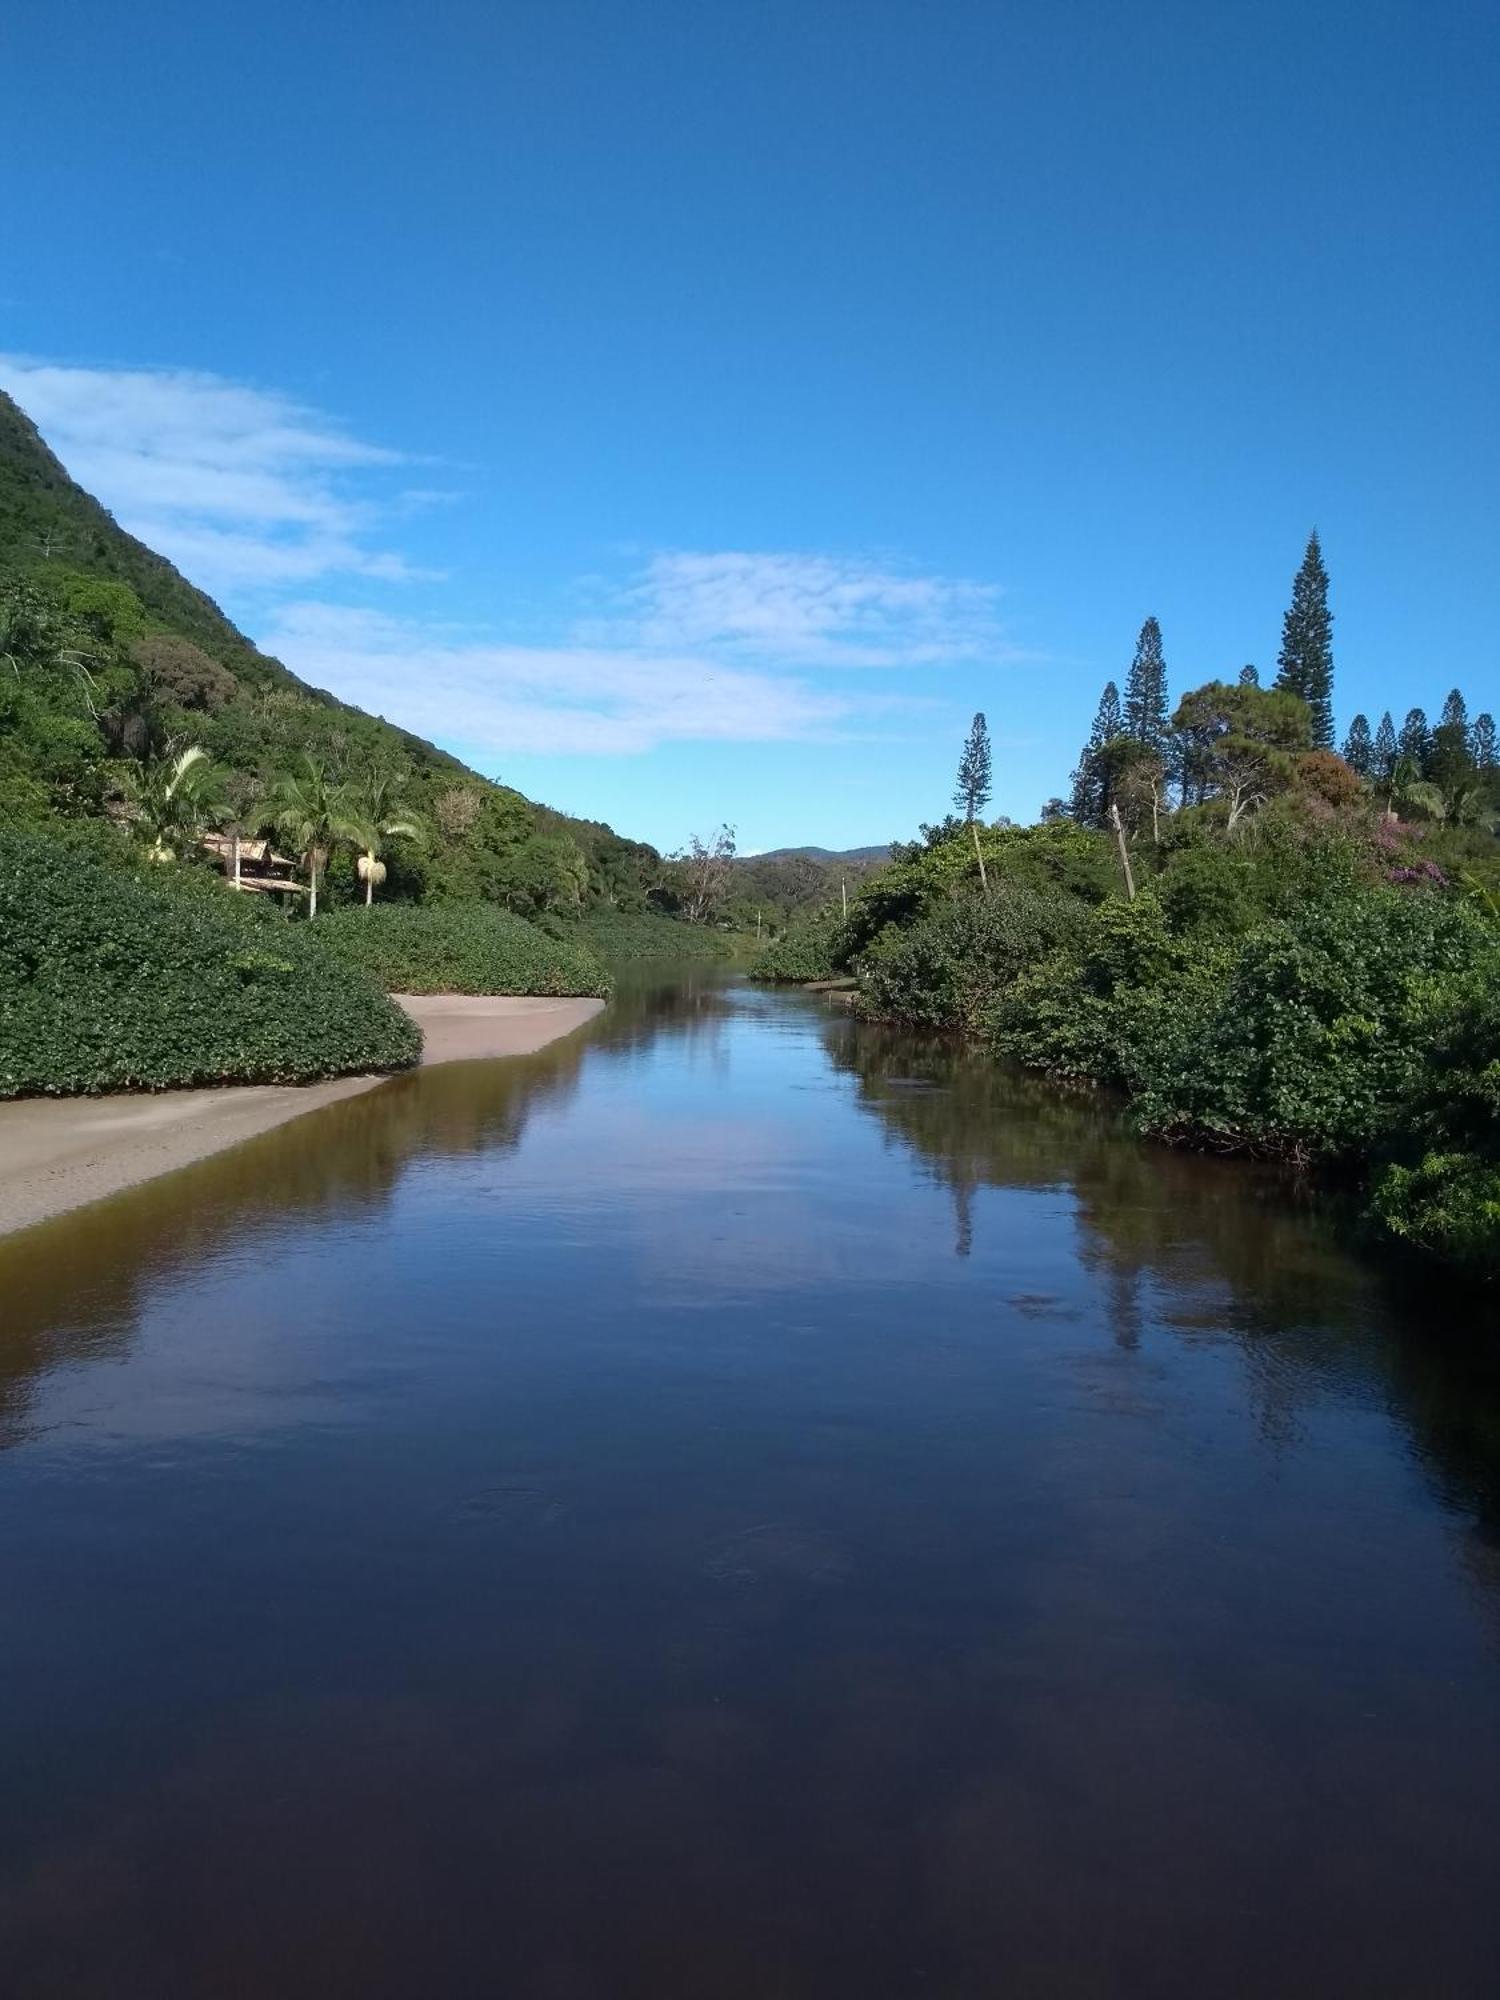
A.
pixel 60 1154
pixel 1318 989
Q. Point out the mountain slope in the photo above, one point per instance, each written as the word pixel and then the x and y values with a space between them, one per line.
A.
pixel 48 522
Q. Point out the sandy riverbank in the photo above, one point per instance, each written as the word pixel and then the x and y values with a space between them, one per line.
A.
pixel 58 1153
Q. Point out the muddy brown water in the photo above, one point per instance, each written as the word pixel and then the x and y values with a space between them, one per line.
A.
pixel 738 1505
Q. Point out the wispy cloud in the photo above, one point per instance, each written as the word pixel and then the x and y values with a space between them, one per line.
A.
pixel 257 496
pixel 504 700
pixel 805 611
pixel 241 487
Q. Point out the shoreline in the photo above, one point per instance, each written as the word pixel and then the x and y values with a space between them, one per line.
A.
pixel 62 1153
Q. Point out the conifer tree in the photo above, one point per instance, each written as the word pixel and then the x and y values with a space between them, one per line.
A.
pixel 1305 666
pixel 1146 705
pixel 1386 748
pixel 1249 677
pixel 1090 794
pixel 1484 747
pixel 972 792
pixel 1359 747
pixel 1415 740
pixel 1450 763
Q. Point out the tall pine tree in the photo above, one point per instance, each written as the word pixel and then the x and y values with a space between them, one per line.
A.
pixel 972 792
pixel 1249 676
pixel 1090 795
pixel 1305 666
pixel 1359 747
pixel 1415 740
pixel 1450 763
pixel 1146 707
pixel 1483 744
pixel 1386 748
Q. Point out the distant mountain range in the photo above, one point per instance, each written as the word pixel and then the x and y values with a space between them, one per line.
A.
pixel 854 857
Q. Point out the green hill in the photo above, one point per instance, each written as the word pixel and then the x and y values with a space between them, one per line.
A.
pixel 108 655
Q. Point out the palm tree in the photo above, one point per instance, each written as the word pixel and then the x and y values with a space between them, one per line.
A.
pixel 376 808
pixel 1461 802
pixel 175 799
pixel 312 810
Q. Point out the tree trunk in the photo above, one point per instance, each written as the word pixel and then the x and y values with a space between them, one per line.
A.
pixel 984 880
pixel 370 883
pixel 1118 824
pixel 312 888
pixel 236 861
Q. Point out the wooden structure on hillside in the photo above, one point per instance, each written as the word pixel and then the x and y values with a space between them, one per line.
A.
pixel 253 865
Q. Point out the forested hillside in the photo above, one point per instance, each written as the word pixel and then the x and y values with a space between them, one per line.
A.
pixel 114 663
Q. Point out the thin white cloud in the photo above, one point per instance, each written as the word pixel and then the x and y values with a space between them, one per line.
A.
pixel 806 611
pixel 259 497
pixel 503 700
pixel 240 487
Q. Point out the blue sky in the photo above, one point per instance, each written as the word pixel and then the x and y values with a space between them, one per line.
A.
pixel 695 411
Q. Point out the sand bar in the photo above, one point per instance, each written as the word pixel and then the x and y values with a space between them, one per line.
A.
pixel 58 1153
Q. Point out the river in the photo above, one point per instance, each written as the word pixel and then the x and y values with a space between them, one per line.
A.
pixel 738 1506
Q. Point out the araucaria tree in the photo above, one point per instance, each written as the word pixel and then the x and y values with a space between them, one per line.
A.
pixel 1415 740
pixel 1305 666
pixel 1359 747
pixel 1483 746
pixel 1090 799
pixel 972 792
pixel 1146 690
pixel 1385 749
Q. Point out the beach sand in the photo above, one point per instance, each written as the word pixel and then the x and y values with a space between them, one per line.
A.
pixel 58 1153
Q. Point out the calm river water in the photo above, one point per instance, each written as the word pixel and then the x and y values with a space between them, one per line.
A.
pixel 737 1507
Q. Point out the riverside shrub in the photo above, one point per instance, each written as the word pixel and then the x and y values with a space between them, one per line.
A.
pixel 625 934
pixel 955 965
pixel 122 979
pixel 812 949
pixel 1324 1032
pixel 459 948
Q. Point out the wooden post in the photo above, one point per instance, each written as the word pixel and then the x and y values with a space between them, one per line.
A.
pixel 1119 827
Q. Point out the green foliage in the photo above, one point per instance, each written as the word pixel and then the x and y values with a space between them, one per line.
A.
pixel 459 948
pixel 811 949
pixel 1146 704
pixel 971 793
pixel 951 968
pixel 1306 662
pixel 1112 1004
pixel 113 978
pixel 1322 1031
pixel 631 934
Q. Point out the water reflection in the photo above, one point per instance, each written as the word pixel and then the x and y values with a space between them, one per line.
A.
pixel 72 1290
pixel 576 1528
pixel 1205 1248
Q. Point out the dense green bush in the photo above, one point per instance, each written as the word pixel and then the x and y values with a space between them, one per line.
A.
pixel 1443 1195
pixel 1116 1003
pixel 811 949
pixel 954 966
pixel 623 934
pixel 459 948
pixel 1323 1029
pixel 118 979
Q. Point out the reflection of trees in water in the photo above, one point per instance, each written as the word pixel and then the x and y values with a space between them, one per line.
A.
pixel 73 1289
pixel 1205 1248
